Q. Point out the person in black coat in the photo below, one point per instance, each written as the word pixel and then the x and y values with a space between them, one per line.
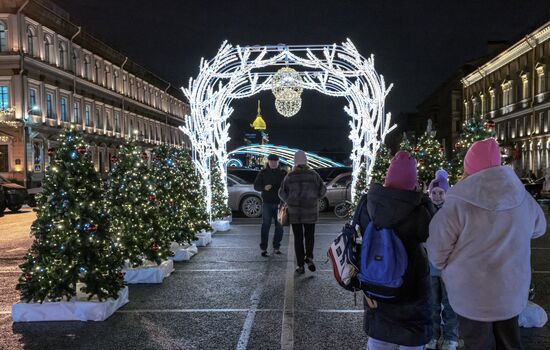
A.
pixel 268 182
pixel 405 321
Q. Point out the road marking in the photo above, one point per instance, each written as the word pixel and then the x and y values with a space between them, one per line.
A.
pixel 210 270
pixel 287 329
pixel 249 321
pixel 340 311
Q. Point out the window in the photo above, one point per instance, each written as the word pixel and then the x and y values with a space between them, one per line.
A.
pixel 4 164
pixel 30 40
pixel 4 98
pixel 62 53
pixel 107 78
pixel 47 47
pixel 63 109
pixel 108 124
pixel 87 72
pixel 115 80
pixel 3 37
pixel 32 101
pixel 98 120
pixel 76 112
pixel 117 121
pixel 49 105
pixel 97 73
pixel 88 114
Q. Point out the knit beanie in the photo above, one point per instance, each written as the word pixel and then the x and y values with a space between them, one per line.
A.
pixel 300 158
pixel 482 155
pixel 441 180
pixel 401 173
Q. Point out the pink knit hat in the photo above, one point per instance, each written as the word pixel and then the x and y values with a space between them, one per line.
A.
pixel 401 172
pixel 300 158
pixel 482 155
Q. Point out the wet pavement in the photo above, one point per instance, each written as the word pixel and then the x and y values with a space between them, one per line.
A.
pixel 226 297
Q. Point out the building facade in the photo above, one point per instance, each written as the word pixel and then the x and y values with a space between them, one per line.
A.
pixel 513 90
pixel 54 75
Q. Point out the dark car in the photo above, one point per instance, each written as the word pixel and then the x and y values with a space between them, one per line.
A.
pixel 14 195
pixel 534 187
pixel 330 173
pixel 247 174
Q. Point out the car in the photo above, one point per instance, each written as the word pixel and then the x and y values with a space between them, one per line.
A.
pixel 330 173
pixel 338 190
pixel 13 195
pixel 246 174
pixel 534 187
pixel 243 197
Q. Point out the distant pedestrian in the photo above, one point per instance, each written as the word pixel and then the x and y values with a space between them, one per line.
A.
pixel 444 319
pixel 481 240
pixel 403 323
pixel 301 190
pixel 268 183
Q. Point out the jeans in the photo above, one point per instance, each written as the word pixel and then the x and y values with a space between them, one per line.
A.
pixel 373 344
pixel 444 319
pixel 269 213
pixel 302 231
pixel 499 335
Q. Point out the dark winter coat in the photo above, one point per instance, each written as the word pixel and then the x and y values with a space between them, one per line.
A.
pixel 301 191
pixel 406 321
pixel 273 177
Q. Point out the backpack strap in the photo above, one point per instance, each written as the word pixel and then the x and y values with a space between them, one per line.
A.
pixel 357 214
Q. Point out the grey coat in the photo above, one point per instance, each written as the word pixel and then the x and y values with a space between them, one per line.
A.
pixel 301 190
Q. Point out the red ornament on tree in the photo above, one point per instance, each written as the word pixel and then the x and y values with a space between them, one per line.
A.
pixel 121 275
pixel 114 159
pixel 152 197
pixel 155 248
pixel 490 124
pixel 92 228
pixel 144 156
pixel 158 157
pixel 28 277
pixel 81 149
pixel 417 149
pixel 51 152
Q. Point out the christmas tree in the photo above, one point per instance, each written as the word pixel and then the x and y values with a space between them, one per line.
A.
pixel 360 185
pixel 473 129
pixel 429 157
pixel 220 209
pixel 72 242
pixel 193 195
pixel 405 144
pixel 134 208
pixel 381 164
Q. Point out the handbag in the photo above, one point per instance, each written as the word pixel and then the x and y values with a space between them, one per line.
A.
pixel 282 214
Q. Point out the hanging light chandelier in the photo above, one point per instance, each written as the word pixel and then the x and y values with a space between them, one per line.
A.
pixel 287 86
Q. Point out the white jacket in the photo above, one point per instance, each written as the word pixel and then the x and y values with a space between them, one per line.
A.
pixel 481 239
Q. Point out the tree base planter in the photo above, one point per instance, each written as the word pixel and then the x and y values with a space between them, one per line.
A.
pixel 221 225
pixel 77 309
pixel 182 252
pixel 204 239
pixel 150 272
pixel 228 218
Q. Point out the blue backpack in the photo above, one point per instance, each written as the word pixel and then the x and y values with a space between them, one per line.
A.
pixel 383 263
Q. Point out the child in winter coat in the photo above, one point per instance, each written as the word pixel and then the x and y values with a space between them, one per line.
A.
pixel 444 319
pixel 405 322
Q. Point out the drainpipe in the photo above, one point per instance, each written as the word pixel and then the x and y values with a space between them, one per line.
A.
pixel 23 93
pixel 74 68
pixel 166 114
pixel 532 103
pixel 123 92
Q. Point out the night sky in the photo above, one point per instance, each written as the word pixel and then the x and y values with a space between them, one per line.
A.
pixel 417 45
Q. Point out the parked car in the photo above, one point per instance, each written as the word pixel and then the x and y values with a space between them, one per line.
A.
pixel 330 173
pixel 247 174
pixel 243 197
pixel 13 195
pixel 534 187
pixel 338 190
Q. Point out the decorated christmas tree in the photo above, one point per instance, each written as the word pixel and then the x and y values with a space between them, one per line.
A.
pixel 360 185
pixel 473 129
pixel 134 208
pixel 71 232
pixel 220 209
pixel 405 144
pixel 429 157
pixel 381 164
pixel 193 195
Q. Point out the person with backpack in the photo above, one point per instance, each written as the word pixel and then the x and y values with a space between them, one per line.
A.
pixel 481 240
pixel 444 319
pixel 268 181
pixel 395 223
pixel 301 190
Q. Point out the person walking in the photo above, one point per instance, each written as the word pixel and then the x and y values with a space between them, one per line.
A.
pixel 268 183
pixel 444 319
pixel 403 323
pixel 301 190
pixel 481 240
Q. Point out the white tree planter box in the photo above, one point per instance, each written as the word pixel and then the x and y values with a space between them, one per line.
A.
pixel 77 309
pixel 204 239
pixel 150 272
pixel 221 225
pixel 228 218
pixel 182 252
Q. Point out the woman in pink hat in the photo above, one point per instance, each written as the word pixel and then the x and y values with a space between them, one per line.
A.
pixel 481 240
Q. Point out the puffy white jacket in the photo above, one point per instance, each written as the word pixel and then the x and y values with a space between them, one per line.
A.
pixel 481 240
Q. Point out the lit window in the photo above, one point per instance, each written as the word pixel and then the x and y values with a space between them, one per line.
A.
pixel 3 37
pixel 63 109
pixel 4 98
pixel 49 105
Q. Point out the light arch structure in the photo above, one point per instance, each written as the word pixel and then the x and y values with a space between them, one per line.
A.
pixel 237 72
